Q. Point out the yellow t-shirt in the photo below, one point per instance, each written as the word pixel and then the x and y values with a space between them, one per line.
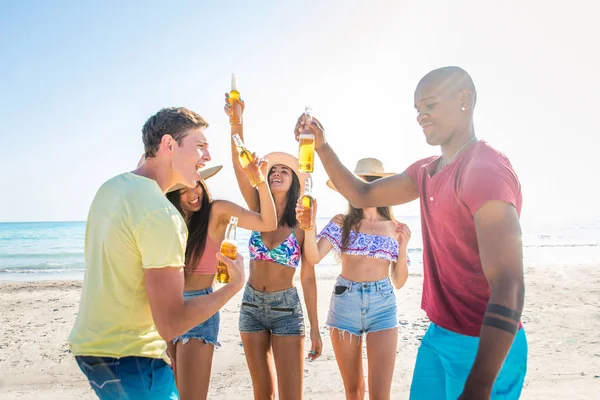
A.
pixel 131 226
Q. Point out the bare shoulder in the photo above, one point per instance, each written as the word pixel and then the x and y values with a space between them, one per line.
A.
pixel 338 219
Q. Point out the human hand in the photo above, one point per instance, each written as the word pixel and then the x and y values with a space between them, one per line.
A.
pixel 314 126
pixel 234 108
pixel 235 269
pixel 402 234
pixel 316 346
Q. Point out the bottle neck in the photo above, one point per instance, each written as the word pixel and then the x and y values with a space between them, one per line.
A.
pixel 307 188
pixel 238 142
pixel 231 232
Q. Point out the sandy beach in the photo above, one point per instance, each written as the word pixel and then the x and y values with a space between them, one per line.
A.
pixel 562 319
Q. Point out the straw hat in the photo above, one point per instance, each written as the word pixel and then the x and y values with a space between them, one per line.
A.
pixel 205 173
pixel 278 157
pixel 366 167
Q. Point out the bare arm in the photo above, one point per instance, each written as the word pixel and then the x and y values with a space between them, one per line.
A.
pixel 313 251
pixel 500 247
pixel 263 221
pixel 399 274
pixel 172 315
pixel 389 191
pixel 250 194
pixel 309 288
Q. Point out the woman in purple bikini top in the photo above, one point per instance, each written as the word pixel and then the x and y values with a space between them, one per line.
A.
pixel 361 244
pixel 372 247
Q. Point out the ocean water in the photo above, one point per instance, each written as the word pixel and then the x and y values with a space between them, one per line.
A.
pixel 54 250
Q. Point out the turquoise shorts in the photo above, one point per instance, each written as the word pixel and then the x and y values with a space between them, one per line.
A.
pixel 445 359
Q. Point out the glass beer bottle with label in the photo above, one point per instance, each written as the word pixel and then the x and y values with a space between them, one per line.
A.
pixel 307 221
pixel 228 249
pixel 247 161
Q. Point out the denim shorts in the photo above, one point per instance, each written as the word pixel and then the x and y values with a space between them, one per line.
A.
pixel 362 307
pixel 277 312
pixel 445 359
pixel 208 331
pixel 129 378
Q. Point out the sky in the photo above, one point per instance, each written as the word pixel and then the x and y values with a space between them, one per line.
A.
pixel 79 79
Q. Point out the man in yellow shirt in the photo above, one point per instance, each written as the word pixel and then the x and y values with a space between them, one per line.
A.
pixel 132 297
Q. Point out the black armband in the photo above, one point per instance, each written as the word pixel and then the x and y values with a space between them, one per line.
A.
pixel 500 324
pixel 504 311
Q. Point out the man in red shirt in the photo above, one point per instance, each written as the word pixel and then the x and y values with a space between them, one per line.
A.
pixel 473 289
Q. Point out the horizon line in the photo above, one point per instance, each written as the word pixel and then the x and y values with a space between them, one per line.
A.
pixel 60 221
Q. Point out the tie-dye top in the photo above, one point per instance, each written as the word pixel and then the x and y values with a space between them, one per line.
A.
pixel 361 244
pixel 286 254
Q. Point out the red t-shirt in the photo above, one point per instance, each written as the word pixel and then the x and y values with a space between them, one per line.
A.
pixel 455 291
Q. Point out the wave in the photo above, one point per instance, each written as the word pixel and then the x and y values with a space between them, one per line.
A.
pixel 30 270
pixel 74 254
pixel 44 267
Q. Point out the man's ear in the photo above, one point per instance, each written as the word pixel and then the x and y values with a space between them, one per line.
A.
pixel 166 143
pixel 466 99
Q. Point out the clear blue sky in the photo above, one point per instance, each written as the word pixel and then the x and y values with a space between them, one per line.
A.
pixel 77 82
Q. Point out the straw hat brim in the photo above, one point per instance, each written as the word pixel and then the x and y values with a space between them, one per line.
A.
pixel 379 175
pixel 205 173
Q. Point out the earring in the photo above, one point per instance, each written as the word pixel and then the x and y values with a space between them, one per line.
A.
pixel 462 109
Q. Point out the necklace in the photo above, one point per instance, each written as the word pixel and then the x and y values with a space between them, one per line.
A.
pixel 474 138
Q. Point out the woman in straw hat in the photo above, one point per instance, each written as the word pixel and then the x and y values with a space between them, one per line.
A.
pixel 192 352
pixel 271 318
pixel 372 247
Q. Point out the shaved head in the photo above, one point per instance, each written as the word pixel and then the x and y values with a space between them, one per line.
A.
pixel 450 80
pixel 445 100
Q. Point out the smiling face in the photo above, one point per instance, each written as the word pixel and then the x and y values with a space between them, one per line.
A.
pixel 439 113
pixel 280 178
pixel 444 100
pixel 190 199
pixel 189 156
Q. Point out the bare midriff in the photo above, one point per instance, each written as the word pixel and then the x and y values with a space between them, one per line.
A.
pixel 267 276
pixel 198 282
pixel 364 269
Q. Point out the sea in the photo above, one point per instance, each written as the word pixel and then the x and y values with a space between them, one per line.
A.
pixel 34 251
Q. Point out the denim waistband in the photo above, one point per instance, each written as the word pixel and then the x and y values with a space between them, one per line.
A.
pixel 365 286
pixel 286 295
pixel 196 293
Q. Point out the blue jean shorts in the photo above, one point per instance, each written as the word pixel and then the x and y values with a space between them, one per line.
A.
pixel 129 378
pixel 208 331
pixel 445 359
pixel 362 307
pixel 277 312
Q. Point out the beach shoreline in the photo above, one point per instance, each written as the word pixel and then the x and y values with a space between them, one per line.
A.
pixel 561 318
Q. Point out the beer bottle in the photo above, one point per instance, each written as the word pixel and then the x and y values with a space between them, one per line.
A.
pixel 307 220
pixel 247 161
pixel 228 249
pixel 235 116
pixel 306 151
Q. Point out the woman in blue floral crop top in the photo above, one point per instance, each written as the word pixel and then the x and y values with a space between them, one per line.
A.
pixel 372 247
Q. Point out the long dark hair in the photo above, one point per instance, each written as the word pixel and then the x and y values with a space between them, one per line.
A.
pixel 288 218
pixel 354 215
pixel 197 227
